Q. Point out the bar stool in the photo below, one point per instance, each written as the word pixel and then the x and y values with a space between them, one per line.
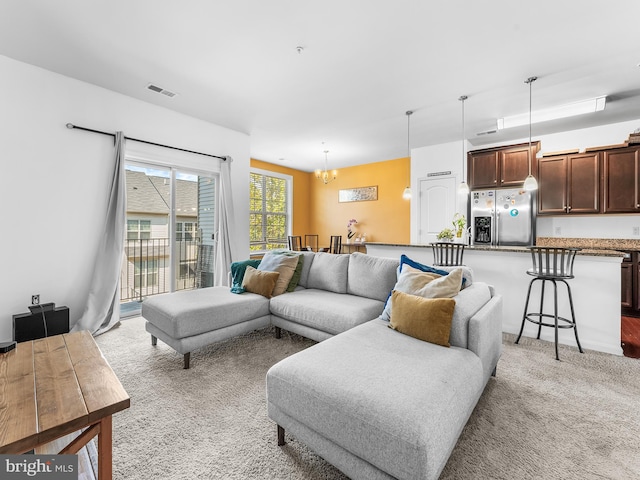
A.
pixel 447 253
pixel 553 265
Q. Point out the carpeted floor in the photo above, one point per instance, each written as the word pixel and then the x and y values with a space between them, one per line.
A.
pixel 538 419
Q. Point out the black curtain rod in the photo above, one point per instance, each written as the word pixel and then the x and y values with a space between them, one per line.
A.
pixel 71 125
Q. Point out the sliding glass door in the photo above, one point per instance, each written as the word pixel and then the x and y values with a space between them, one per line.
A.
pixel 170 226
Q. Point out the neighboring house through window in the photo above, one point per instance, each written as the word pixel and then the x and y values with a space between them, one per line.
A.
pixel 170 223
pixel 270 210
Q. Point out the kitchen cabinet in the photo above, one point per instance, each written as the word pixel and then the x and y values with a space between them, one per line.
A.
pixel 501 167
pixel 569 184
pixel 621 180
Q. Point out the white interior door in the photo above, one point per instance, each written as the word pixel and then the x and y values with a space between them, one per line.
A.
pixel 436 207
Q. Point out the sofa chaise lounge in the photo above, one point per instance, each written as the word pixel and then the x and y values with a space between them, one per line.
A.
pixel 374 402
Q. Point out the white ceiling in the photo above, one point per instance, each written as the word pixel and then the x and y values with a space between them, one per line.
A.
pixel 365 62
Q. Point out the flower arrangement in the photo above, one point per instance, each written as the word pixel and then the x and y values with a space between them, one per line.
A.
pixel 350 229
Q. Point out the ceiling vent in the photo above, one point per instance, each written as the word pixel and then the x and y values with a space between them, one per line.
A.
pixel 488 132
pixel 157 89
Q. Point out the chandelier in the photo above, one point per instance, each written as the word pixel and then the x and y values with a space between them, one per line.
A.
pixel 325 176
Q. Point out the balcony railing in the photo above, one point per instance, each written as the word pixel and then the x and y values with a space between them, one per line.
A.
pixel 146 267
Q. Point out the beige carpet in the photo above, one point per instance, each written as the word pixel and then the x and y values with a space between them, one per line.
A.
pixel 539 418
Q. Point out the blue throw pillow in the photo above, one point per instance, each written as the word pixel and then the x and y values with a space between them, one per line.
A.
pixel 237 274
pixel 419 266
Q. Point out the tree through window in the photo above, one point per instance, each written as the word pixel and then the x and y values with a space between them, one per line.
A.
pixel 269 208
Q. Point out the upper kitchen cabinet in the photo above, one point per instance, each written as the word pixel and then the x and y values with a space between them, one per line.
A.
pixel 621 180
pixel 501 167
pixel 569 184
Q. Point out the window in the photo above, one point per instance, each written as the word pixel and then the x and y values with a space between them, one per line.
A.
pixel 138 229
pixel 146 273
pixel 270 211
pixel 186 231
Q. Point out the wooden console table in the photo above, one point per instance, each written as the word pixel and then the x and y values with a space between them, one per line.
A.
pixel 55 386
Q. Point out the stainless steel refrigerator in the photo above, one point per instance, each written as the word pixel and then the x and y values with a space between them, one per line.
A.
pixel 502 217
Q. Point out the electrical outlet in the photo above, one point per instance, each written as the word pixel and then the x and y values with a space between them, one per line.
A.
pixel 636 231
pixel 35 299
pixel 558 231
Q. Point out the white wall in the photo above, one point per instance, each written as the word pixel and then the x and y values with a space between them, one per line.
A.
pixel 447 157
pixel 56 180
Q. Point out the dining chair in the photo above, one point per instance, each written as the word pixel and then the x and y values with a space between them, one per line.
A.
pixel 335 245
pixel 295 242
pixel 311 242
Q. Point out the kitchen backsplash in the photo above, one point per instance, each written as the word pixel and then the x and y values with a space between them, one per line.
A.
pixel 593 226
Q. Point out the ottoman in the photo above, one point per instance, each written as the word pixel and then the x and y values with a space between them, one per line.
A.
pixel 191 319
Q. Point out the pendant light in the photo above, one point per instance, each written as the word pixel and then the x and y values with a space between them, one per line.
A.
pixel 324 176
pixel 407 191
pixel 530 182
pixel 463 188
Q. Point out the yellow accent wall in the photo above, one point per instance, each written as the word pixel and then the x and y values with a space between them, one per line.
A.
pixel 316 208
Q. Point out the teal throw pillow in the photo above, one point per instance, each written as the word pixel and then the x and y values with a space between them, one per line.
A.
pixel 237 274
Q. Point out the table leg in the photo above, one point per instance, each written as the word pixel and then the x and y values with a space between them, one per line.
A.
pixel 105 440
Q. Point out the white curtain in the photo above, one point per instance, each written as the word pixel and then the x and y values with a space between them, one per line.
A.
pixel 102 310
pixel 225 216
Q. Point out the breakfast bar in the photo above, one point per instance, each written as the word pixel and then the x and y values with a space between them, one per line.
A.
pixel 595 288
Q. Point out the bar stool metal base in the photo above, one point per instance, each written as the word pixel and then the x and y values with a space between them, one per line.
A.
pixel 558 321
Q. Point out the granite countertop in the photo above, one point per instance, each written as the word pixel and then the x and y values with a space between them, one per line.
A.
pixel 615 244
pixel 554 242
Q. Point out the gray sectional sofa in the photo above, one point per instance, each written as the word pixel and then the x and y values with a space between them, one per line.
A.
pixel 372 401
pixel 333 295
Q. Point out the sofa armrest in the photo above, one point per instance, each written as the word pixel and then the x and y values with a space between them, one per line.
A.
pixel 485 335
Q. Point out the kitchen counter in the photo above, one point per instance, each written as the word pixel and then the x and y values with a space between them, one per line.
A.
pixel 596 288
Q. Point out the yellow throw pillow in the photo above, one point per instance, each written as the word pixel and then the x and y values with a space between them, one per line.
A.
pixel 427 319
pixel 257 281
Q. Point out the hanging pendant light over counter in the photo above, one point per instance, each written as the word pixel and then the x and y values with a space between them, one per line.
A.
pixel 406 194
pixel 463 188
pixel 530 183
